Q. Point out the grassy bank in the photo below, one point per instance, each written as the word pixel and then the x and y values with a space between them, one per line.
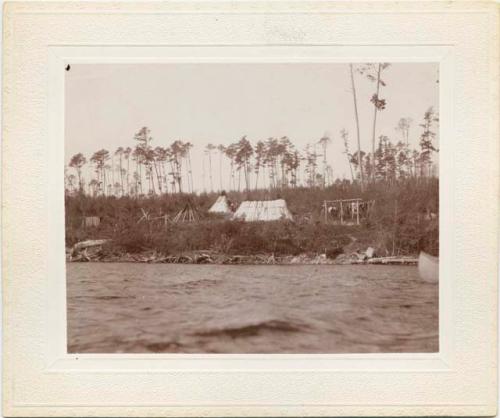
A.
pixel 399 223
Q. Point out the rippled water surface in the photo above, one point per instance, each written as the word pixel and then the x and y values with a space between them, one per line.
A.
pixel 125 307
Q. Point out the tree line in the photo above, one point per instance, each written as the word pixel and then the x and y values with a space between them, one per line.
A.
pixel 274 163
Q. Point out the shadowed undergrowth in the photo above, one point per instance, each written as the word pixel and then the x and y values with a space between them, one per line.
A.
pixel 399 224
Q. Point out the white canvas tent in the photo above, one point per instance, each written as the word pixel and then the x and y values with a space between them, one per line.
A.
pixel 263 210
pixel 220 206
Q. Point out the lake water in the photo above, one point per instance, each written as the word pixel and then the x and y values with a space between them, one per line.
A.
pixel 144 308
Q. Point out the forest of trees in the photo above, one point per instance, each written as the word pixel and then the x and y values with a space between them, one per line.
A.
pixel 271 164
pixel 149 169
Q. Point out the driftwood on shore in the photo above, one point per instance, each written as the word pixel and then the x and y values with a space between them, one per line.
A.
pixel 92 251
pixel 202 258
pixel 87 250
pixel 89 243
pixel 389 261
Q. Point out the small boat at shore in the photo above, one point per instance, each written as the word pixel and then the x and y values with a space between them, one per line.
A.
pixel 428 267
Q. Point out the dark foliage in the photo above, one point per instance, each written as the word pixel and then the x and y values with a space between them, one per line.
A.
pixel 403 221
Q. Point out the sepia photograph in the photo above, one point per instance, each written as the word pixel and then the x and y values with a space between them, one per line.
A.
pixel 224 209
pixel 252 207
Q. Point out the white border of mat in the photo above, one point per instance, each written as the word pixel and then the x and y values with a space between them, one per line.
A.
pixel 40 379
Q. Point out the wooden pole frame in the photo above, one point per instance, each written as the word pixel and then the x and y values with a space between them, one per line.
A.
pixel 341 202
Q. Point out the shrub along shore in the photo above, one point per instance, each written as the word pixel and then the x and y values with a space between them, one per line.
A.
pixel 402 223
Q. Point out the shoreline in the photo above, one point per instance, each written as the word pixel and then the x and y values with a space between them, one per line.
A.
pixel 224 259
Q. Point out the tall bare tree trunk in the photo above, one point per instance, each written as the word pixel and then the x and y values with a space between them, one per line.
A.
pixel 375 111
pixel 104 180
pixel 350 168
pixel 247 174
pixel 190 171
pixel 210 170
pixel 112 175
pixel 164 175
pixel 232 175
pixel 360 160
pixel 324 166
pixel 173 182
pixel 203 173
pixel 178 169
pixel 139 166
pixel 80 185
pixel 152 177
pixel 220 171
pixel 121 174
pixel 158 177
pixel 128 174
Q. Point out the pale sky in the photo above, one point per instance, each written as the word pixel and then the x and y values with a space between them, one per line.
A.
pixel 106 104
